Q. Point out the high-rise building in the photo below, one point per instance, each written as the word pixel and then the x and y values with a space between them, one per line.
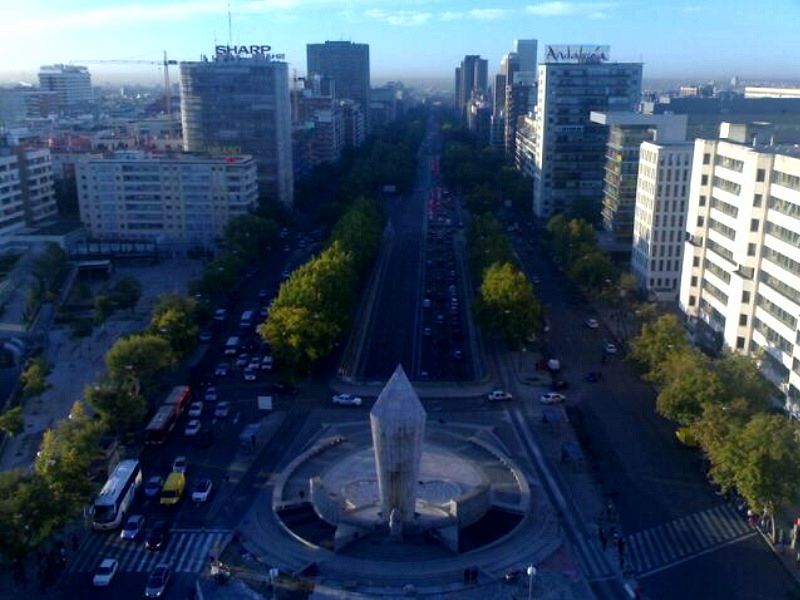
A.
pixel 347 64
pixel 570 149
pixel 740 282
pixel 520 90
pixel 472 78
pixel 527 54
pixel 180 201
pixel 72 83
pixel 662 195
pixel 232 106
pixel 525 147
pixel 626 132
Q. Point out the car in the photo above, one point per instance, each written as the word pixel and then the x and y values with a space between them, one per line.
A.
pixel 535 280
pixel 105 571
pixel 249 374
pixel 592 323
pixel 513 575
pixel 133 528
pixel 458 354
pixel 157 581
pixel 157 537
pixel 426 303
pixel 222 410
pixel 440 319
pixel 426 331
pixel 220 314
pixel 610 348
pixel 593 376
pixel 263 311
pixel 242 360
pixel 347 400
pixel 262 294
pixel 205 336
pixel 284 387
pixel 179 464
pixel 211 394
pixel 251 272
pixel 201 490
pixel 286 273
pixel 152 487
pixel 204 439
pixel 266 363
pixel 192 427
pixel 195 409
pixel 552 398
pixel 499 396
pixel 255 363
pixel 221 370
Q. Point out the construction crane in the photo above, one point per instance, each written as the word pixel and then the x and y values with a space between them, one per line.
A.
pixel 164 63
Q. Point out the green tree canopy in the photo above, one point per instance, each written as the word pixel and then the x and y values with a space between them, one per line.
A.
pixel 688 383
pixel 126 293
pixel 28 513
pixel 12 421
pixel 141 356
pixel 507 303
pixel 122 408
pixel 594 270
pixel 34 377
pixel 657 340
pixel 174 320
pixel 250 236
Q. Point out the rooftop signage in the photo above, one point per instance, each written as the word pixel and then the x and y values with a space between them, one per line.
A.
pixel 262 50
pixel 576 53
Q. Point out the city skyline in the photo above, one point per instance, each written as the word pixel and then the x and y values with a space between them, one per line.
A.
pixel 684 39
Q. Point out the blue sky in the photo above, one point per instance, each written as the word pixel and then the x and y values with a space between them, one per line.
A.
pixel 411 38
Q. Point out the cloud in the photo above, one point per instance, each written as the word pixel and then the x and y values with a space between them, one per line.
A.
pixel 558 8
pixel 489 14
pixel 400 18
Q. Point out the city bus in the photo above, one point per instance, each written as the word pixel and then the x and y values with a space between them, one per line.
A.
pixel 161 424
pixel 172 491
pixel 116 495
pixel 179 398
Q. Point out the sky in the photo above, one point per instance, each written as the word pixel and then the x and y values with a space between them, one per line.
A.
pixel 686 39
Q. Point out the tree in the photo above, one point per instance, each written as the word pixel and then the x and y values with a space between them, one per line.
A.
pixel 765 457
pixel 34 378
pixel 688 384
pixel 12 421
pixel 50 268
pixel 120 407
pixel 594 270
pixel 657 340
pixel 28 513
pixel 140 356
pixel 174 320
pixel 508 303
pixel 741 379
pixel 249 235
pixel 103 308
pixel 126 293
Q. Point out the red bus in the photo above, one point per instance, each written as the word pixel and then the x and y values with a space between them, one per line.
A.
pixel 167 415
pixel 179 397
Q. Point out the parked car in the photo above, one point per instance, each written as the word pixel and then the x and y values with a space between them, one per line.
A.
pixel 499 396
pixel 551 398
pixel 221 370
pixel 205 336
pixel 152 488
pixel 157 582
pixel 249 374
pixel 133 528
pixel 192 427
pixel 266 363
pixel 179 464
pixel 592 323
pixel 610 348
pixel 347 400
pixel 105 571
pixel 157 537
pixel 211 393
pixel 202 489
pixel 242 360
pixel 222 410
pixel 220 314
pixel 195 409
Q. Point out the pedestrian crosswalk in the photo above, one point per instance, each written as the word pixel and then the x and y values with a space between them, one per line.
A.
pixel 187 551
pixel 659 547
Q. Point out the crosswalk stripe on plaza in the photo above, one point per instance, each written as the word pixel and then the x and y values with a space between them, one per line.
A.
pixel 186 551
pixel 680 539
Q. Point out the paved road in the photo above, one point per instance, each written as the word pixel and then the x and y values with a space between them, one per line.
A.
pixel 683 541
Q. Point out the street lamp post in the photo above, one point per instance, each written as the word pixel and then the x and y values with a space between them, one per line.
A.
pixel 531 574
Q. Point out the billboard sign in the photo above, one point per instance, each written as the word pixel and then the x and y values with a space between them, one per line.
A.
pixel 576 53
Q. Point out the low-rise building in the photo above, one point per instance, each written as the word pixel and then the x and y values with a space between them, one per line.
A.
pixel 180 201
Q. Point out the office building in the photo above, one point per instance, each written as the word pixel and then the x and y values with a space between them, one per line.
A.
pixel 626 132
pixel 387 103
pixel 472 78
pixel 570 149
pixel 659 222
pixel 520 101
pixel 527 54
pixel 525 147
pixel 232 106
pixel 479 117
pixel 740 282
pixel 179 201
pixel 72 85
pixel 347 64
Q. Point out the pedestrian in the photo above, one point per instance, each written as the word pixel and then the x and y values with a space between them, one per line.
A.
pixel 621 551
pixel 601 535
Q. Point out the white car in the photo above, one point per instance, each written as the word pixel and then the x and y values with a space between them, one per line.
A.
pixel 222 409
pixel 592 323
pixel 266 363
pixel 105 572
pixel 552 398
pixel 179 464
pixel 499 396
pixel 211 393
pixel 201 490
pixel 610 348
pixel 255 363
pixel 193 427
pixel 249 374
pixel 347 400
pixel 195 409
pixel 133 528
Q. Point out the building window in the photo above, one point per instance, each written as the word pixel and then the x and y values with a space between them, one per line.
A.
pixel 706 159
pixel 702 200
pixel 694 280
pixel 753 224
pixel 757 200
pixel 740 343
pixel 760 174
pixel 742 320
pixel 704 180
pixel 692 300
pixel 745 297
pixel 696 261
pixel 700 221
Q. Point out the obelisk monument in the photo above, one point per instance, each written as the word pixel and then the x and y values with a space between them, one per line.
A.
pixel 397 421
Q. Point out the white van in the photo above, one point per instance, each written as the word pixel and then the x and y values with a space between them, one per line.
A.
pixel 232 345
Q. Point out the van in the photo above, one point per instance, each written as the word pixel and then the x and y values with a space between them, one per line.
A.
pixel 232 345
pixel 173 488
pixel 246 320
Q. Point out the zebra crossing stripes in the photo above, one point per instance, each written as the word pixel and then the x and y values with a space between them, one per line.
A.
pixel 187 551
pixel 685 537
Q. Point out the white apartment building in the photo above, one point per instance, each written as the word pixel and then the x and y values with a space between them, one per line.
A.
pixel 27 195
pixel 72 84
pixel 179 201
pixel 659 222
pixel 740 284
pixel 12 212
